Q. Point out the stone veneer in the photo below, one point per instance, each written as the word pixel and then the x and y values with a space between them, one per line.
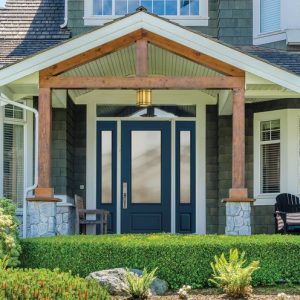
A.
pixel 41 219
pixel 65 219
pixel 238 216
pixel 49 219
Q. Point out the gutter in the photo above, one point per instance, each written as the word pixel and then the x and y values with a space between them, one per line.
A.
pixel 35 183
pixel 64 25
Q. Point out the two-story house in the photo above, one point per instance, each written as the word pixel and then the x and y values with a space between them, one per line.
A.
pixel 174 115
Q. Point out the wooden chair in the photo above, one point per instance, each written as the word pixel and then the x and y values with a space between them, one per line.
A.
pixel 81 219
pixel 287 213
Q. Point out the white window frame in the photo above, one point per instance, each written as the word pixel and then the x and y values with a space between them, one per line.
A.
pixel 267 198
pixel 27 123
pixel 268 37
pixel 202 20
pixel 289 153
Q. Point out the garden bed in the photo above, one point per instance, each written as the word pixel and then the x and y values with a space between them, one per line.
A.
pixel 260 293
pixel 181 259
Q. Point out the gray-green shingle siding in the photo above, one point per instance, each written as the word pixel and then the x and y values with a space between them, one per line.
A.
pixel 235 21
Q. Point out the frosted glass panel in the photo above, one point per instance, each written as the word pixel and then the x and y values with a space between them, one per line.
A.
pixel 185 166
pixel 106 167
pixel 146 166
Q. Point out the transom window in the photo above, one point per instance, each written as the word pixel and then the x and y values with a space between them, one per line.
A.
pixel 270 156
pixel 159 7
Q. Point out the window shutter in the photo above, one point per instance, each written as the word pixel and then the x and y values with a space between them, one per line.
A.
pixel 269 15
pixel 270 156
pixel 13 162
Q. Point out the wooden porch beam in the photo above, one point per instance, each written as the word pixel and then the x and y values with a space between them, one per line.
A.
pixel 44 189
pixel 193 55
pixel 238 190
pixel 92 54
pixel 160 82
pixel 142 57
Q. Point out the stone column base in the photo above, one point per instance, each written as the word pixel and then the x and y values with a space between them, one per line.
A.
pixel 238 216
pixel 41 219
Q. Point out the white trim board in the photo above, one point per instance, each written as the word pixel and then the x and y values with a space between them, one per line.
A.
pixel 142 20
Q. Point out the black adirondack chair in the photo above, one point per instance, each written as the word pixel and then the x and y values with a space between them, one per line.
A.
pixel 287 214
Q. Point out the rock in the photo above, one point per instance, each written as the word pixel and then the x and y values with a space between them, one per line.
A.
pixel 114 280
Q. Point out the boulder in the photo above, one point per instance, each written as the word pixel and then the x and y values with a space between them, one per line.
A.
pixel 115 281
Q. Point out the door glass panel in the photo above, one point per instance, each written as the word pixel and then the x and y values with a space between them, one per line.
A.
pixel 185 166
pixel 106 166
pixel 146 166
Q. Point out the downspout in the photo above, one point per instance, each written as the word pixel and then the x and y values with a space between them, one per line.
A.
pixel 66 16
pixel 35 183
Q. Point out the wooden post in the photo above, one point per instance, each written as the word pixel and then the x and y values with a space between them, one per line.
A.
pixel 238 190
pixel 142 57
pixel 44 189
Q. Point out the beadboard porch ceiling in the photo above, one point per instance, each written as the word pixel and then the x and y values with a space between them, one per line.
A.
pixel 122 63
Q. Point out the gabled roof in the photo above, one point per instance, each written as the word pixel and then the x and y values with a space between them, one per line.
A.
pixel 159 26
pixel 29 26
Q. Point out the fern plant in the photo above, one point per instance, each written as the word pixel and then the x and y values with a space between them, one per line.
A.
pixel 232 275
pixel 138 286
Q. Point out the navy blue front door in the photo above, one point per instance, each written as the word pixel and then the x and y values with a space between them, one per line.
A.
pixel 145 176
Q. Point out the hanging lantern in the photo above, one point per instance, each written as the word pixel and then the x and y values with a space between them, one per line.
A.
pixel 143 98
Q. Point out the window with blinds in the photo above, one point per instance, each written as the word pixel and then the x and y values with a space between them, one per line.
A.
pixel 13 162
pixel 270 156
pixel 269 15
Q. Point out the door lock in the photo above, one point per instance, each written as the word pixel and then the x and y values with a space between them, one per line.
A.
pixel 124 195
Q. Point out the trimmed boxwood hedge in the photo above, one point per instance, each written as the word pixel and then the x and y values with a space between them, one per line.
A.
pixel 181 259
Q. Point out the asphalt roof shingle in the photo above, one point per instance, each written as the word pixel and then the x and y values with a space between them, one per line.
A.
pixel 288 60
pixel 29 26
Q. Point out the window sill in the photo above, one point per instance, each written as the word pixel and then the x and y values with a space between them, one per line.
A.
pixel 265 199
pixel 181 20
pixel 270 37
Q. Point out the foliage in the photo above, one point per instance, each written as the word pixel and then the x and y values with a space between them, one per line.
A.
pixel 183 292
pixel 30 284
pixel 138 286
pixel 181 258
pixel 9 242
pixel 232 276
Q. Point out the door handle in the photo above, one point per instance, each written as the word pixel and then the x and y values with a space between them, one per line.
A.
pixel 124 195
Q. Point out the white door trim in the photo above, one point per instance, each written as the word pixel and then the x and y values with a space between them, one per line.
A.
pixel 91 169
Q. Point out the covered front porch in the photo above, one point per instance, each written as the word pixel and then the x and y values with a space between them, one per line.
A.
pixel 163 168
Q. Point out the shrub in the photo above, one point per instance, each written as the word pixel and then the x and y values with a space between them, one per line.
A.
pixel 138 286
pixel 181 259
pixel 9 242
pixel 44 284
pixel 232 276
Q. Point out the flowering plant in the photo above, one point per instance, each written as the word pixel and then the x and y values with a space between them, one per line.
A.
pixel 183 292
pixel 9 243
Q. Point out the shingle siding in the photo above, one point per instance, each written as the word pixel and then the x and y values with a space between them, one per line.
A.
pixel 59 151
pixel 235 21
pixel 212 199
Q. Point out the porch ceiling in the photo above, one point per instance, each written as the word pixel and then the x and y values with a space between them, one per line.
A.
pixel 122 63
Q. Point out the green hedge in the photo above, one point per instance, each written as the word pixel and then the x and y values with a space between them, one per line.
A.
pixel 181 259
